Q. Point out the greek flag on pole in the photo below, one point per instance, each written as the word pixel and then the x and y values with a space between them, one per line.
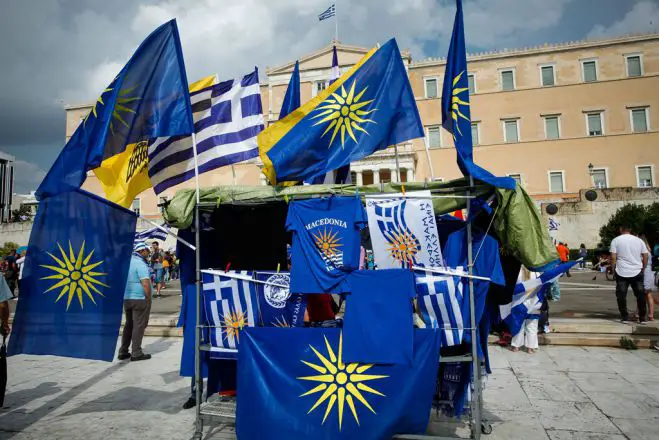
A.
pixel 528 297
pixel 440 299
pixel 230 306
pixel 227 117
pixel 328 13
pixel 152 234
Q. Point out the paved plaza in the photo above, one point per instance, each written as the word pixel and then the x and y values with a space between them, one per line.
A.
pixel 560 393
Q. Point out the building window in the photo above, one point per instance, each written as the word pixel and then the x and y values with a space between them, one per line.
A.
pixel 434 137
pixel 556 182
pixel 508 80
pixel 517 178
pixel 475 138
pixel 547 76
pixel 552 130
pixel 511 130
pixel 431 87
pixel 639 118
pixel 644 176
pixel 600 178
pixel 634 65
pixel 318 87
pixel 137 206
pixel 594 121
pixel 472 84
pixel 589 70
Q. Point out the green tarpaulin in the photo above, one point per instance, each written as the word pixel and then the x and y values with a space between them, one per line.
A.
pixel 517 222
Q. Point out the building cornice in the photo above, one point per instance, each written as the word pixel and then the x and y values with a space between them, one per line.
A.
pixel 542 49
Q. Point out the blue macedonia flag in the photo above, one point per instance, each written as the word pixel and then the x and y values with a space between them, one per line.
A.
pixel 456 113
pixel 292 97
pixel 74 279
pixel 148 98
pixel 367 109
pixel 295 384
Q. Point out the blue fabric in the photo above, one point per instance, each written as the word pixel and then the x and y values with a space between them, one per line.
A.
pixel 333 223
pixel 277 307
pixel 284 372
pixel 147 99
pixel 456 113
pixel 454 383
pixel 138 271
pixel 378 323
pixel 75 274
pixel 528 297
pixel 292 97
pixel 487 263
pixel 386 111
pixel 229 308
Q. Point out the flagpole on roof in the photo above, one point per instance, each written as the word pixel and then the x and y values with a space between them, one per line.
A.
pixel 336 24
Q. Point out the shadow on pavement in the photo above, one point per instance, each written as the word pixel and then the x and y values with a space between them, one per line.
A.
pixel 14 422
pixel 135 399
pixel 17 399
pixel 159 346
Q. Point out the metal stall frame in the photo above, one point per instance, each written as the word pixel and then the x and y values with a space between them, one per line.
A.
pixel 225 409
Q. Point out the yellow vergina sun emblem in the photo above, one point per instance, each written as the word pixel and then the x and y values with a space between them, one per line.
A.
pixel 121 106
pixel 403 246
pixel 344 113
pixel 456 102
pixel 327 242
pixel 76 275
pixel 233 324
pixel 340 383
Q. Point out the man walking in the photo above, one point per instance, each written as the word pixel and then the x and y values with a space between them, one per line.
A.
pixel 629 255
pixel 156 263
pixel 137 305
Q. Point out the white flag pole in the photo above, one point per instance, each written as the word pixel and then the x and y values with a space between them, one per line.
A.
pixel 432 171
pixel 451 272
pixel 241 277
pixel 168 232
pixel 336 24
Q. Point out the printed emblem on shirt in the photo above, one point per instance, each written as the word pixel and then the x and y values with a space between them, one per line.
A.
pixel 329 245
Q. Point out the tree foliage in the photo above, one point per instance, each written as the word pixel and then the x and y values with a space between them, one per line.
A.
pixel 8 246
pixel 24 213
pixel 644 220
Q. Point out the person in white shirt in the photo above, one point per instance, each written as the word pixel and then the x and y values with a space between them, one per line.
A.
pixel 629 256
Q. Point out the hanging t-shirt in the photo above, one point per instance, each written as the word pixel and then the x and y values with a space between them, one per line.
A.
pixel 487 263
pixel 326 243
pixel 378 323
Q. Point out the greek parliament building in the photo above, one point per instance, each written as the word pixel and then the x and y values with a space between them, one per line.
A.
pixel 557 118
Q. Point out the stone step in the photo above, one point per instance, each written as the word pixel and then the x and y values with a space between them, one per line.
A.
pixel 602 326
pixel 594 339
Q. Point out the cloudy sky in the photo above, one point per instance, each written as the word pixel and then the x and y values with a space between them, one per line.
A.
pixel 57 52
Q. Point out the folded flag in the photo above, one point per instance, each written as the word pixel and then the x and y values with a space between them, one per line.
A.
pixel 229 307
pixel 292 96
pixel 277 307
pixel 404 231
pixel 456 113
pixel 147 99
pixel 368 109
pixel 528 297
pixel 152 234
pixel 306 390
pixel 442 303
pixel 73 284
pixel 227 118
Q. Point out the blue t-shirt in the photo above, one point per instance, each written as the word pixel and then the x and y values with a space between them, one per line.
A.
pixel 137 272
pixel 487 263
pixel 326 243
pixel 378 324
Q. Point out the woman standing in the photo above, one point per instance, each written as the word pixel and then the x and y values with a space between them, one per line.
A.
pixel 648 281
pixel 582 254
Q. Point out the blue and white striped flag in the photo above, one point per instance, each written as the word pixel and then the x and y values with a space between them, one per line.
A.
pixel 228 116
pixel 152 234
pixel 528 297
pixel 441 300
pixel 328 13
pixel 230 306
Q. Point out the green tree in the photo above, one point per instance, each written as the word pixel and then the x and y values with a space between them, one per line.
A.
pixel 9 245
pixel 644 220
pixel 23 211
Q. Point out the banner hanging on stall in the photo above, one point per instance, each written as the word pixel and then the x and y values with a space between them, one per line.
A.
pixel 404 231
pixel 277 307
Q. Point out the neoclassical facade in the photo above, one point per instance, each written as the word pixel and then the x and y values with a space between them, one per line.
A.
pixel 557 118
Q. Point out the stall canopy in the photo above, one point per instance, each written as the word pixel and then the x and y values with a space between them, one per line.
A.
pixel 517 222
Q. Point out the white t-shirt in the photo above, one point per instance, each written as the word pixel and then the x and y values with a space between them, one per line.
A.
pixel 628 249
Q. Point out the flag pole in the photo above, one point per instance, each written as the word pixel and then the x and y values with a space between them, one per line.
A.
pixel 168 232
pixel 425 144
pixel 198 379
pixel 233 173
pixel 397 163
pixel 336 24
